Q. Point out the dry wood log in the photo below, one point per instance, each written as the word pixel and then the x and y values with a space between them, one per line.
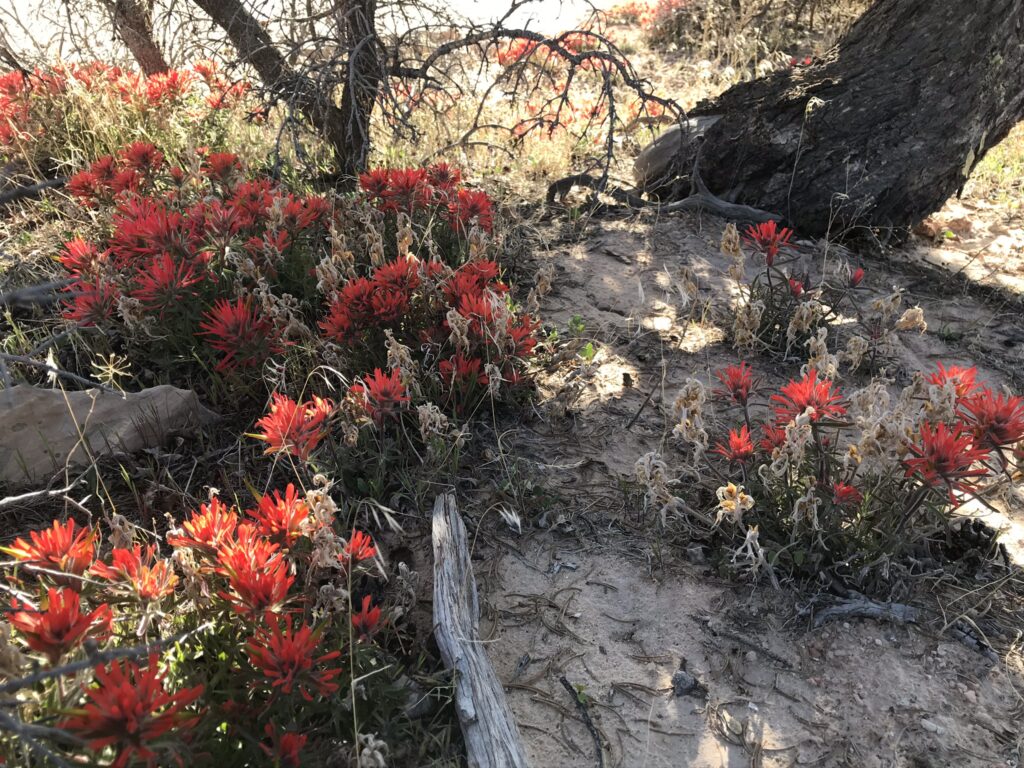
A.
pixel 492 738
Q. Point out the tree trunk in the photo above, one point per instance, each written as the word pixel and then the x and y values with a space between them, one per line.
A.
pixel 133 20
pixel 881 131
pixel 345 128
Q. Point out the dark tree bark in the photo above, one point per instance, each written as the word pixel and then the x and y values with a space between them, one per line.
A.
pixel 133 20
pixel 880 132
pixel 346 127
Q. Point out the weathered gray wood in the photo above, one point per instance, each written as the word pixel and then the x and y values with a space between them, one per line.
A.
pixel 492 739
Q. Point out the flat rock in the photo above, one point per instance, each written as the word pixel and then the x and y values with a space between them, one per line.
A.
pixel 47 430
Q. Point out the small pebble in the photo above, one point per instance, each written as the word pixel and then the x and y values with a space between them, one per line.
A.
pixel 750 656
pixel 931 727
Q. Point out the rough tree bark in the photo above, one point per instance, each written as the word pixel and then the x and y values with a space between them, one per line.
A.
pixel 881 131
pixel 133 20
pixel 346 127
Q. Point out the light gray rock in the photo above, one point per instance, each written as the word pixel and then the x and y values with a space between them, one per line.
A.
pixel 46 430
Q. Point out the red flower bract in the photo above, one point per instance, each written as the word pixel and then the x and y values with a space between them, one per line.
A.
pixel 962 378
pixel 58 548
pixel 996 420
pixel 844 494
pixel 91 303
pixel 285 747
pixel 798 396
pixel 282 520
pixel 737 382
pixel 360 547
pixel 740 448
pixel 945 456
pixel 288 659
pixel 238 331
pixel 142 156
pixel 207 530
pixel 128 709
pixel 257 572
pixel 295 428
pixel 60 625
pixel 367 620
pixel 163 284
pixel 384 394
pixel 375 183
pixel 471 206
pixel 149 577
pixel 767 238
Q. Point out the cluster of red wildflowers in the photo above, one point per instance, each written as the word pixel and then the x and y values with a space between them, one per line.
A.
pixel 783 292
pixel 234 575
pixel 420 301
pixel 435 192
pixel 983 437
pixel 168 254
pixel 938 465
pixel 648 14
pixel 30 102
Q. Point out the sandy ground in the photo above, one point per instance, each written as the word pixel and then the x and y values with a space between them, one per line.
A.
pixel 618 615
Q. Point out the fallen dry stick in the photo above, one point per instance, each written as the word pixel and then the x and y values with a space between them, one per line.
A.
pixel 492 739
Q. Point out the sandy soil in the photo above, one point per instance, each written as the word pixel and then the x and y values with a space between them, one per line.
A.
pixel 585 596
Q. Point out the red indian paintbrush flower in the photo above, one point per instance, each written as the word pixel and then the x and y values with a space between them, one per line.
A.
pixel 149 577
pixel 164 283
pixel 142 156
pixel 962 378
pixel 288 658
pixel 798 396
pixel 996 420
pixel 59 625
pixel 82 259
pixel 375 183
pixel 282 520
pixel 207 530
pixel 285 747
pixel 384 393
pixel 737 382
pixel 773 437
pixel 407 190
pixel 471 206
pixel 257 573
pixel 241 334
pixel 91 303
pixel 58 548
pixel 768 239
pixel 367 620
pixel 360 547
pixel 295 428
pixel 444 177
pixel 945 456
pixel 740 447
pixel 222 167
pixel 844 494
pixel 128 709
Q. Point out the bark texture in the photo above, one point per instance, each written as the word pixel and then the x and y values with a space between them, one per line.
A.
pixel 492 738
pixel 133 20
pixel 345 127
pixel 880 132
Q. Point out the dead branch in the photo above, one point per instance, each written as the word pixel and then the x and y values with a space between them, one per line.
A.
pixel 492 738
pixel 31 190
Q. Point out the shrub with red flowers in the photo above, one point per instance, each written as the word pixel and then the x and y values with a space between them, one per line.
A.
pixel 811 478
pixel 89 109
pixel 199 264
pixel 785 311
pixel 204 268
pixel 236 637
